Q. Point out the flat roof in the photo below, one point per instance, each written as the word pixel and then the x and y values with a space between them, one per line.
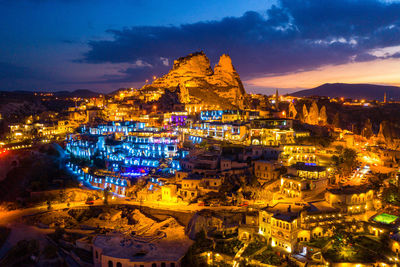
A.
pixel 321 206
pixel 172 247
pixel 385 218
pixel 308 168
pixel 348 190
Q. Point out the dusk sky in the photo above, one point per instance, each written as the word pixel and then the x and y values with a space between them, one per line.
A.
pixel 101 45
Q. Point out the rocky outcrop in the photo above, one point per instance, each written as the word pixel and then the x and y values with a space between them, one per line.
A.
pixel 201 221
pixel 336 120
pixel 313 115
pixel 323 118
pixel 388 134
pixel 198 82
pixel 292 111
pixel 305 114
pixel 367 129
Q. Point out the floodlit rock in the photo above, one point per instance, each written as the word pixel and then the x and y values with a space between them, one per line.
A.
pixel 313 115
pixel 305 114
pixel 292 111
pixel 387 134
pixel 198 83
pixel 225 76
pixel 336 120
pixel 367 130
pixel 323 118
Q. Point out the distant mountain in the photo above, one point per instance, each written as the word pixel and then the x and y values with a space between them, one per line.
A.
pixel 355 91
pixel 84 93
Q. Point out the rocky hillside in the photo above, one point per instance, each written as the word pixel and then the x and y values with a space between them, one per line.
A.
pixel 197 82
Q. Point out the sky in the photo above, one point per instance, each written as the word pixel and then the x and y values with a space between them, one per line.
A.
pixel 52 45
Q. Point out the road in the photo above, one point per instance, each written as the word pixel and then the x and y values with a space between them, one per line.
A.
pixel 359 176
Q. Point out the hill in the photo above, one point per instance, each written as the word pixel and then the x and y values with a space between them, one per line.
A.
pixel 196 82
pixel 354 91
pixel 84 93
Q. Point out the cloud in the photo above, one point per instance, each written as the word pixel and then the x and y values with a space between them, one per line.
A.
pixel 292 36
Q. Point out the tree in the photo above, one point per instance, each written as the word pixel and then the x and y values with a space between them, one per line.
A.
pixel 346 161
pixel 349 159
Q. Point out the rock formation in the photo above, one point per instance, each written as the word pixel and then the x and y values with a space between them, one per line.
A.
pixel 292 111
pixel 199 83
pixel 336 120
pixel 387 134
pixel 323 118
pixel 367 130
pixel 313 115
pixel 305 114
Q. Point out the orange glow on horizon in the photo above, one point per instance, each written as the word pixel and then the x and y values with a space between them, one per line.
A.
pixel 385 71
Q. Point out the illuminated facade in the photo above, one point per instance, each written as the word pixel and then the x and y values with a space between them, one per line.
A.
pixel 351 199
pixel 266 170
pixel 298 153
pixel 271 132
pixel 129 150
pixel 280 228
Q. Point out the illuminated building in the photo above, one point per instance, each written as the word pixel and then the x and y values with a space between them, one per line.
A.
pixel 221 131
pixel 194 185
pixel 129 150
pixel 193 108
pixel 384 223
pixel 118 250
pixel 280 225
pixel 228 115
pixel 175 119
pixel 298 187
pixel 317 220
pixel 265 170
pixel 271 132
pixel 169 193
pixel 351 199
pixel 298 153
pixel 201 164
pixel 190 187
pixel 19 132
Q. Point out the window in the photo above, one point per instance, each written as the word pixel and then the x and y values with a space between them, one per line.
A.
pixel 172 264
pixel 110 264
pixel 119 264
pixel 97 255
pixel 154 265
pixel 163 264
